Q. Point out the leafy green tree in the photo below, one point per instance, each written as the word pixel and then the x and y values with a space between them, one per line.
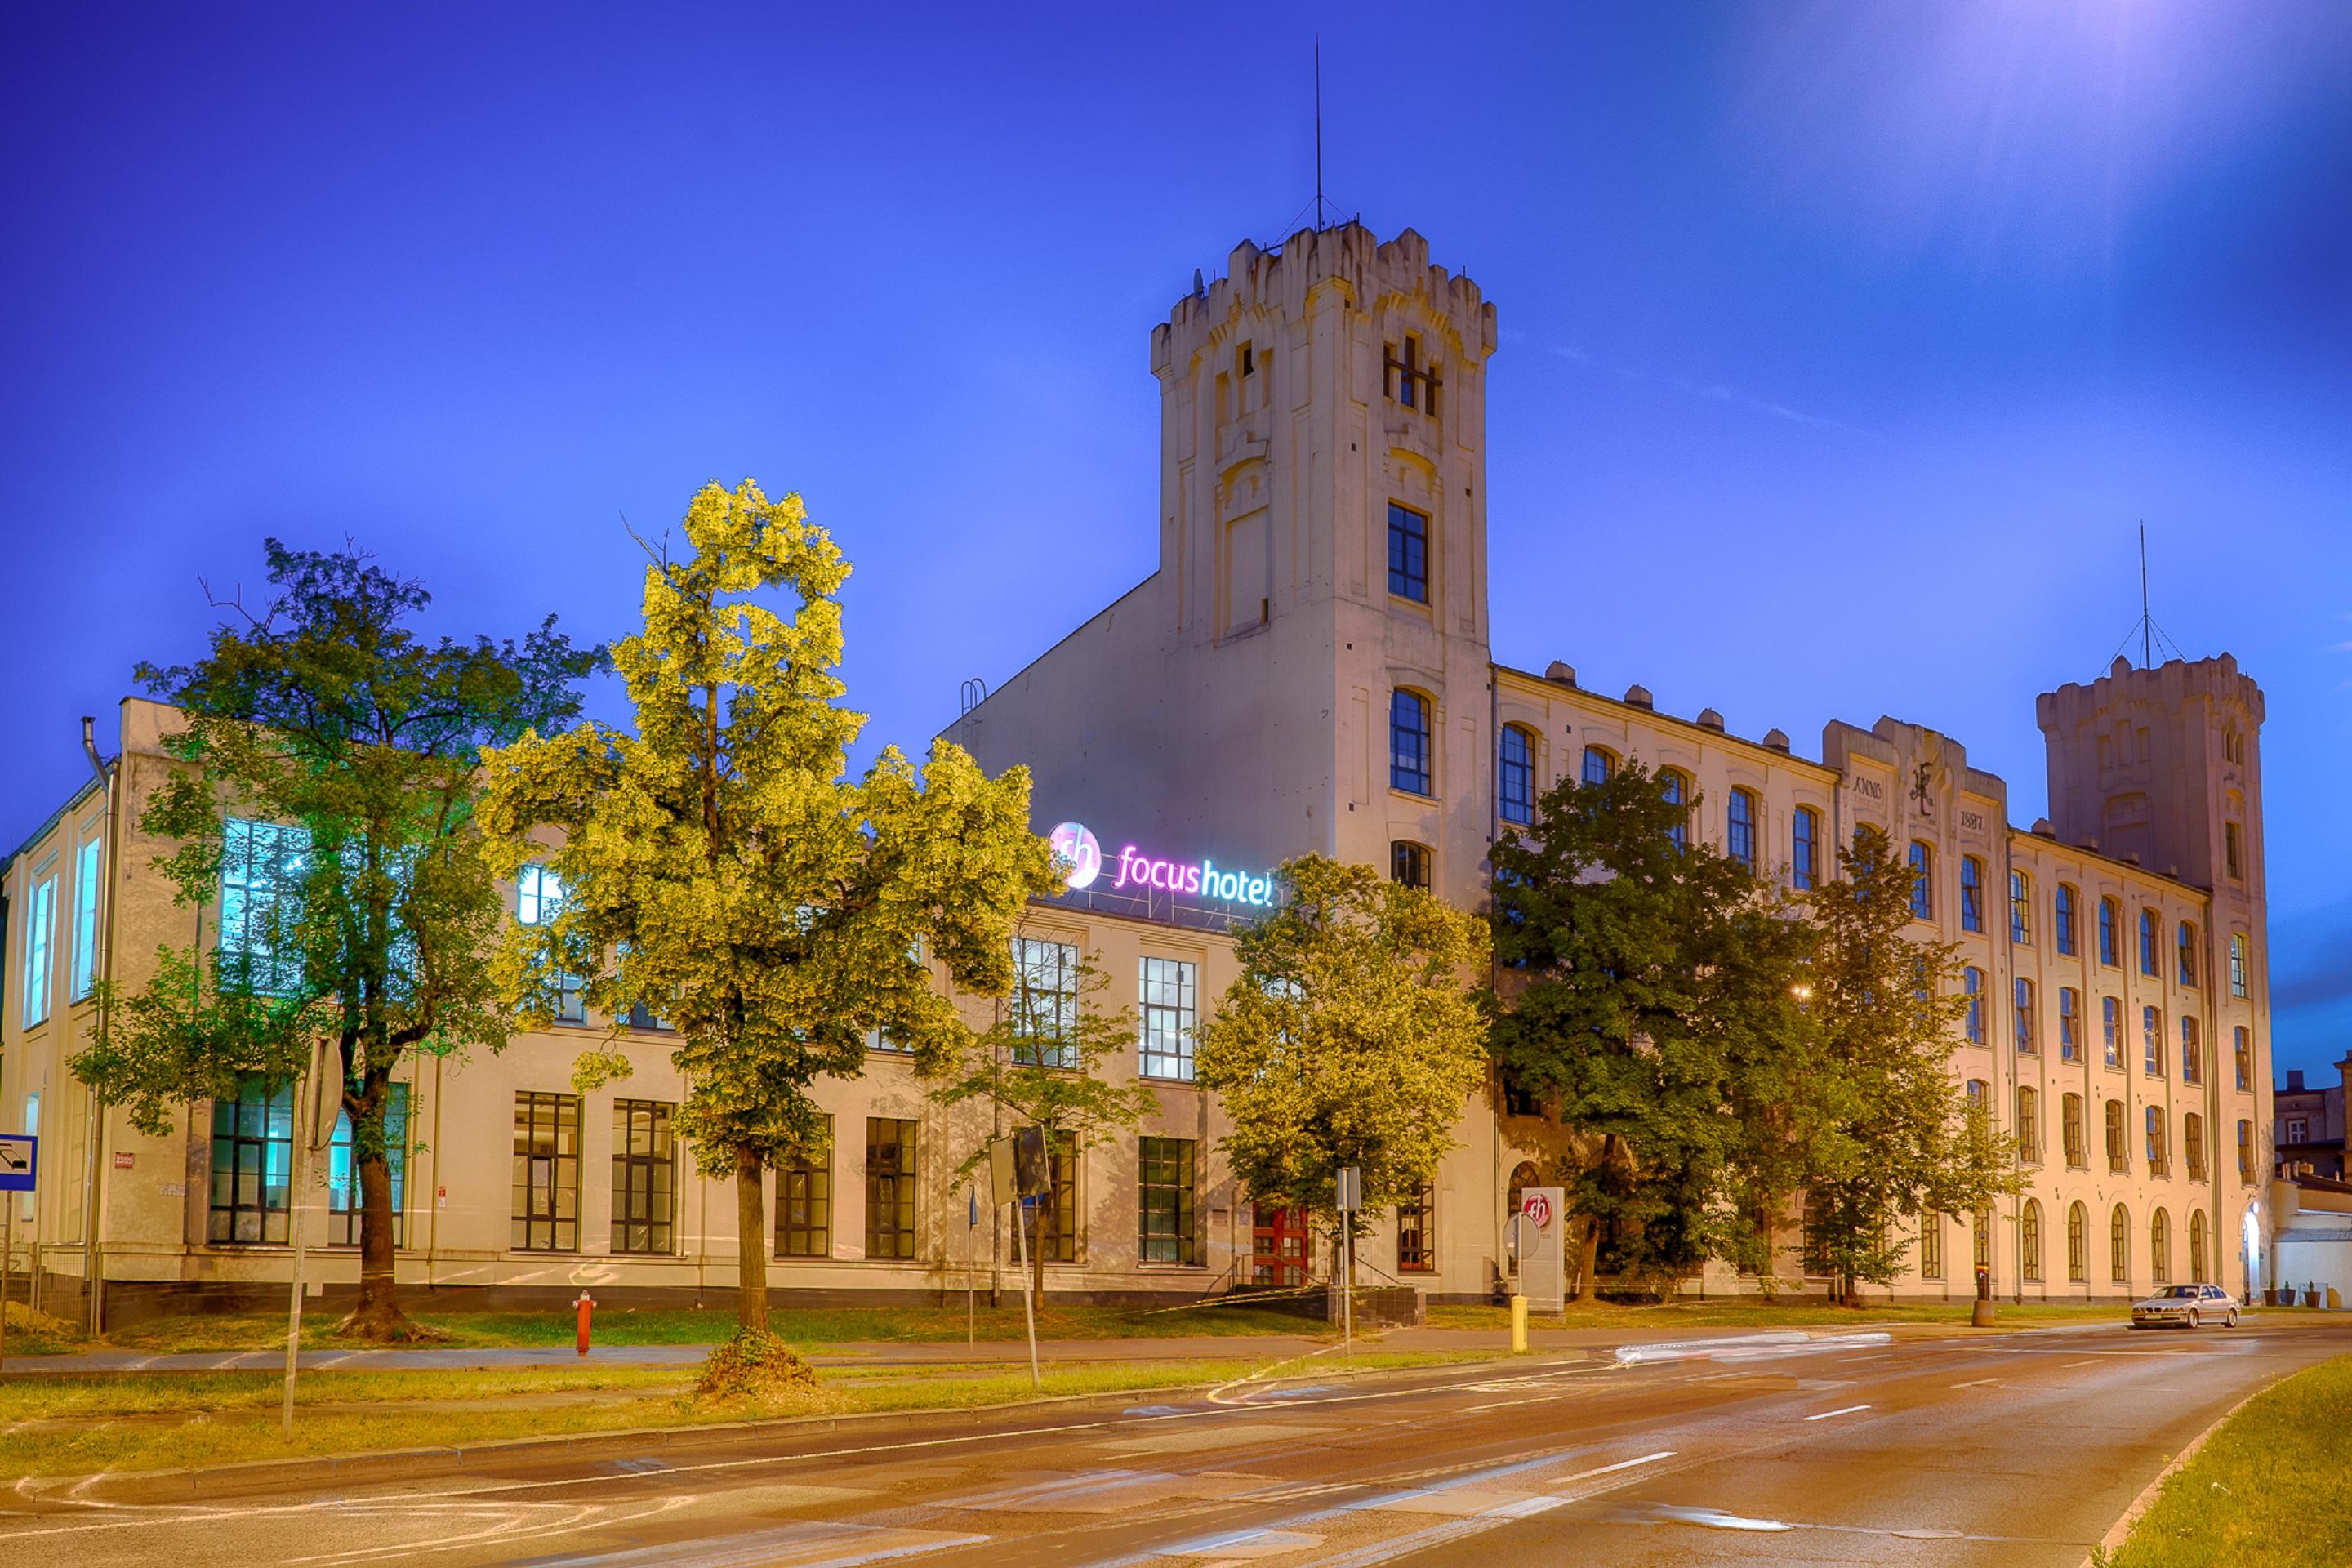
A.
pixel 1648 986
pixel 721 869
pixel 331 760
pixel 1904 1139
pixel 1040 1063
pixel 1353 1037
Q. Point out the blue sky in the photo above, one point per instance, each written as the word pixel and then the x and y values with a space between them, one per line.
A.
pixel 1844 346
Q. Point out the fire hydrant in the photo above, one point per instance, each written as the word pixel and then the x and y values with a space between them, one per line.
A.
pixel 587 1305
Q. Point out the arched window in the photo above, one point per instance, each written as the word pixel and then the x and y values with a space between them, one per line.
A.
pixel 1923 896
pixel 2062 920
pixel 2074 1136
pixel 2109 914
pixel 1600 765
pixel 1972 893
pixel 1972 986
pixel 2029 1039
pixel 2192 1144
pixel 2020 908
pixel 1739 827
pixel 2119 1246
pixel 2159 1152
pixel 2160 1248
pixel 2236 964
pixel 2078 1244
pixel 2184 944
pixel 1408 863
pixel 2029 1127
pixel 2196 1246
pixel 1409 747
pixel 1804 833
pixel 1523 1176
pixel 1675 788
pixel 2029 1242
pixel 1516 779
pixel 2148 942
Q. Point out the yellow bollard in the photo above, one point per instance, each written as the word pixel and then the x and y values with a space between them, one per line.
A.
pixel 1518 1325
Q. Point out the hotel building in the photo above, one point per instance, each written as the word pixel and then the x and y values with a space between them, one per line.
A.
pixel 1309 669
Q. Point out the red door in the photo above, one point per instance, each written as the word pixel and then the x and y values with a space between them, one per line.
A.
pixel 1281 1249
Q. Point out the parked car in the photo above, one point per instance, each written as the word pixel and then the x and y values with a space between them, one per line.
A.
pixel 2187 1305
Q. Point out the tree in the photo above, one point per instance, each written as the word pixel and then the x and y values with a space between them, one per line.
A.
pixel 1353 1037
pixel 720 870
pixel 329 765
pixel 1648 986
pixel 1904 1140
pixel 1038 1064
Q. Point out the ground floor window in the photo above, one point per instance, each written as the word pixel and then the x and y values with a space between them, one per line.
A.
pixel 253 1163
pixel 2029 1242
pixel 1931 1247
pixel 2160 1248
pixel 890 1178
pixel 1054 1218
pixel 1281 1249
pixel 1167 1175
pixel 2119 1246
pixel 343 1172
pixel 1416 1231
pixel 645 1176
pixel 2197 1273
pixel 804 1202
pixel 545 1217
pixel 2078 1245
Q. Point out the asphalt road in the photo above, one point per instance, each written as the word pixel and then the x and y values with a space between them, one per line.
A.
pixel 2019 1448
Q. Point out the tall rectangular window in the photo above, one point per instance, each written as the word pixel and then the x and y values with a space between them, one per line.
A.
pixel 1054 1218
pixel 2028 1035
pixel 1044 1002
pixel 1972 1021
pixel 262 866
pixel 804 1201
pixel 645 1176
pixel 2118 1144
pixel 538 895
pixel 2029 1126
pixel 1972 893
pixel 2151 1042
pixel 1516 776
pixel 891 1176
pixel 1408 553
pixel 2243 1054
pixel 2246 1151
pixel 2020 908
pixel 84 975
pixel 1409 756
pixel 2111 1024
pixel 2062 922
pixel 40 918
pixel 1167 1175
pixel 1739 827
pixel 2108 915
pixel 1416 1231
pixel 343 1197
pixel 1168 993
pixel 1923 894
pixel 2192 1051
pixel 1804 832
pixel 2238 979
pixel 2192 1144
pixel 2070 1023
pixel 253 1163
pixel 2185 953
pixel 2148 942
pixel 2159 1152
pixel 1931 1247
pixel 2233 854
pixel 2071 1130
pixel 545 1212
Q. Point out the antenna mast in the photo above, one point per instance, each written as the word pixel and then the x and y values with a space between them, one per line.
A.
pixel 1319 131
pixel 2146 622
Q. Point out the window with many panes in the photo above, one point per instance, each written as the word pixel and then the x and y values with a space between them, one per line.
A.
pixel 1409 747
pixel 2118 1144
pixel 1406 379
pixel 1167 1179
pixel 2160 1248
pixel 2029 1242
pixel 1931 1247
pixel 40 922
pixel 2184 947
pixel 1516 775
pixel 2148 942
pixel 2151 1042
pixel 252 1163
pixel 1972 893
pixel 2193 1145
pixel 1675 788
pixel 2246 1151
pixel 1408 864
pixel 2109 913
pixel 81 975
pixel 2062 920
pixel 262 865
pixel 2071 1132
pixel 890 1180
pixel 2020 908
pixel 2070 1023
pixel 2192 1051
pixel 1923 892
pixel 2242 1054
pixel 1804 833
pixel 2119 1244
pixel 1739 827
pixel 1972 1021
pixel 1044 1002
pixel 2111 1025
pixel 2160 1146
pixel 1054 1218
pixel 804 1200
pixel 2029 1126
pixel 2078 1244
pixel 2026 1024
pixel 545 1216
pixel 1599 766
pixel 343 1198
pixel 1167 988
pixel 2238 965
pixel 1408 553
pixel 1416 1231
pixel 645 1176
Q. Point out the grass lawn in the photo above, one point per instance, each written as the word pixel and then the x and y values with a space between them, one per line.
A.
pixel 86 1425
pixel 1748 1311
pixel 2272 1486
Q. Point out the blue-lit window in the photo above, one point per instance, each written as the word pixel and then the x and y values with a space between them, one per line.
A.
pixel 2062 922
pixel 2020 908
pixel 2108 936
pixel 262 866
pixel 343 1172
pixel 1804 834
pixel 40 918
pixel 1972 985
pixel 1599 766
pixel 1518 775
pixel 2185 945
pixel 1676 791
pixel 252 1163
pixel 1409 741
pixel 83 978
pixel 2148 942
pixel 1739 827
pixel 1923 894
pixel 1408 553
pixel 1972 893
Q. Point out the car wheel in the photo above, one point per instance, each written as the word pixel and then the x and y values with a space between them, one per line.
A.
pixel 2192 1320
pixel 2232 1320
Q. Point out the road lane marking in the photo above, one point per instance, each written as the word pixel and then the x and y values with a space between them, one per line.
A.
pixel 1979 1382
pixel 1848 1410
pixel 1716 1519
pixel 1612 1469
pixel 2093 1362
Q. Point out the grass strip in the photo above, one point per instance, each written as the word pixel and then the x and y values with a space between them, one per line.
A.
pixel 2271 1486
pixel 1749 1313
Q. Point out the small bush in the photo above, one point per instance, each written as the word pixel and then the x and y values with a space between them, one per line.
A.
pixel 754 1367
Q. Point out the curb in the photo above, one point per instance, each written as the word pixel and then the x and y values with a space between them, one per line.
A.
pixel 2122 1528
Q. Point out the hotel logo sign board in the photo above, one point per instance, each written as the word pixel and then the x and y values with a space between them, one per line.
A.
pixel 1135 872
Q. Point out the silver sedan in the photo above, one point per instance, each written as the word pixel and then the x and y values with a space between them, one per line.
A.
pixel 2186 1306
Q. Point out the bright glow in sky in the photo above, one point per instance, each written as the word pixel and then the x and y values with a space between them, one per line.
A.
pixel 1844 345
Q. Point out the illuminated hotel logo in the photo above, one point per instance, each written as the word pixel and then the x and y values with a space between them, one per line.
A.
pixel 1082 852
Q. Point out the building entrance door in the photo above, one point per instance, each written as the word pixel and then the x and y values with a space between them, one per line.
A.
pixel 1281 1249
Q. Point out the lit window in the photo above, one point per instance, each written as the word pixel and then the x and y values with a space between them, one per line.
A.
pixel 1922 896
pixel 2111 1024
pixel 2108 916
pixel 2062 922
pixel 1804 833
pixel 1167 985
pixel 1599 766
pixel 1409 741
pixel 1972 985
pixel 343 1198
pixel 1739 827
pixel 2148 942
pixel 1408 864
pixel 83 978
pixel 1044 1002
pixel 40 917
pixel 262 864
pixel 1166 1182
pixel 1408 553
pixel 1518 775
pixel 538 895
pixel 2070 1024
pixel 252 1163
pixel 2185 953
pixel 1972 893
pixel 2028 1039
pixel 2020 908
pixel 2238 980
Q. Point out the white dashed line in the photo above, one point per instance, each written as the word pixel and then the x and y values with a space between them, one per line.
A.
pixel 1846 1411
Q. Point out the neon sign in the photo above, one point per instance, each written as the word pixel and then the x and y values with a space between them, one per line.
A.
pixel 1182 877
pixel 1074 844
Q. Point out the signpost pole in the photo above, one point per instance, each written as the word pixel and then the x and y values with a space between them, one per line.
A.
pixel 1349 1193
pixel 970 1279
pixel 314 1105
pixel 19 1165
pixel 8 1261
pixel 1028 1311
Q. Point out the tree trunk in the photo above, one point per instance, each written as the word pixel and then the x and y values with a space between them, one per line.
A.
pixel 750 1243
pixel 1591 1260
pixel 377 1315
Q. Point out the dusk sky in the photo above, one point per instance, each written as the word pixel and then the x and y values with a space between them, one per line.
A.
pixel 1844 347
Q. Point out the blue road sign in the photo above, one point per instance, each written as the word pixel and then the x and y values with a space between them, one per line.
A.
pixel 19 1158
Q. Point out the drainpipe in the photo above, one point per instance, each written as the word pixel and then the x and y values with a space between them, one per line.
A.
pixel 92 1252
